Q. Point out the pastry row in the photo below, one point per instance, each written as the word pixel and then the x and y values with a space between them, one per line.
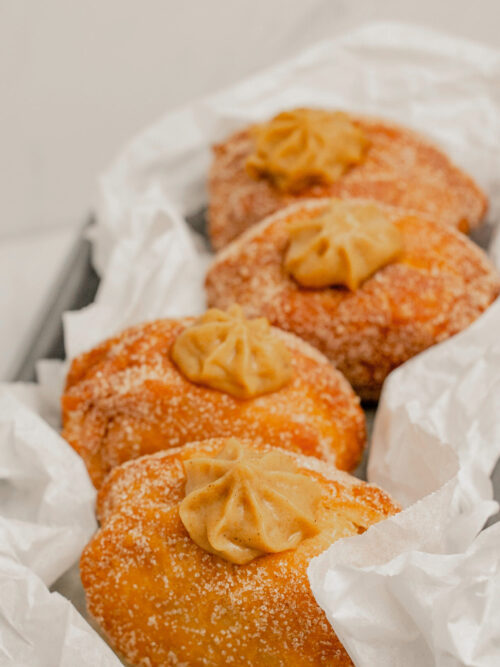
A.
pixel 217 442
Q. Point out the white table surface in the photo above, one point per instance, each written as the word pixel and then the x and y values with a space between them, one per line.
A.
pixel 81 78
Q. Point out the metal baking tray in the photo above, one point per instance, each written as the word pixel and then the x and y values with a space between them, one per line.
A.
pixel 76 287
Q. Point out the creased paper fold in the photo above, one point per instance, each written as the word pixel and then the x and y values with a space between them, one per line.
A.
pixel 408 580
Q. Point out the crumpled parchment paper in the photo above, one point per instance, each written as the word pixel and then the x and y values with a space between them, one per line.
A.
pixel 47 517
pixel 420 588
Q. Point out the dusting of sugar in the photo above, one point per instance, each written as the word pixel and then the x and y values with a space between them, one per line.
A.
pixel 401 169
pixel 160 598
pixel 126 398
pixel 441 284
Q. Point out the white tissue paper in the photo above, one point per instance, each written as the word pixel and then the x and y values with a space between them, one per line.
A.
pixel 155 270
pixel 47 499
pixel 47 517
pixel 43 629
pixel 421 588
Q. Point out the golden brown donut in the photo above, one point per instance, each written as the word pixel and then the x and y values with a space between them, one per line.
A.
pixel 440 284
pixel 126 398
pixel 162 600
pixel 401 169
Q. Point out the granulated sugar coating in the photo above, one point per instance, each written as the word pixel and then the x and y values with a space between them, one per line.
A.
pixel 441 283
pixel 126 398
pixel 401 169
pixel 161 600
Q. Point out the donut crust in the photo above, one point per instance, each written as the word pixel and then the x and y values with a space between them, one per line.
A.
pixel 126 398
pixel 161 600
pixel 401 169
pixel 439 286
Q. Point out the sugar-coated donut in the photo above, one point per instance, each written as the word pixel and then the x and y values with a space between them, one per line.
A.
pixel 440 284
pixel 126 398
pixel 162 600
pixel 401 169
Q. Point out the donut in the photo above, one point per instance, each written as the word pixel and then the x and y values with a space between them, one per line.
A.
pixel 440 283
pixel 127 397
pixel 399 168
pixel 161 599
